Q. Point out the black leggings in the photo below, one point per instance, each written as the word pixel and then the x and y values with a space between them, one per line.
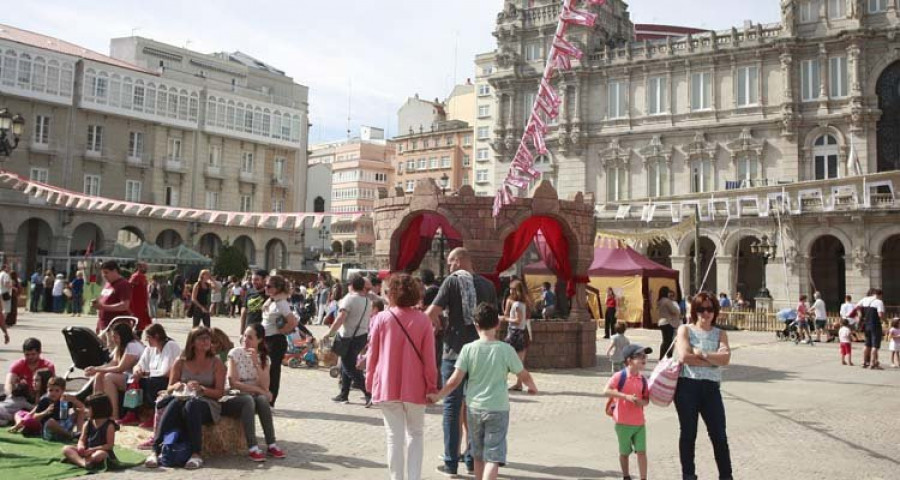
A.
pixel 277 345
pixel 350 375
pixel 668 334
pixel 201 317
pixel 609 322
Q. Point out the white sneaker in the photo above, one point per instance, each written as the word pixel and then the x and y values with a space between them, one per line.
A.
pixel 152 461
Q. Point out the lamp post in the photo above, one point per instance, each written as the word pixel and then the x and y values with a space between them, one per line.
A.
pixel 10 124
pixel 442 240
pixel 766 249
pixel 323 235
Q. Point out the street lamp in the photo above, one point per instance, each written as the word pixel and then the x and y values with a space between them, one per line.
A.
pixel 9 123
pixel 766 249
pixel 443 183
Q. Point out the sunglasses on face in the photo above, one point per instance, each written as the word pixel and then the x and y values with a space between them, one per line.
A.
pixel 705 310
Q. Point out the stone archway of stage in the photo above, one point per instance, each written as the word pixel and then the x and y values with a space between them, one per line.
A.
pixel 563 343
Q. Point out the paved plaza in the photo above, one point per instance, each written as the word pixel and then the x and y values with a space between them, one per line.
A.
pixel 793 412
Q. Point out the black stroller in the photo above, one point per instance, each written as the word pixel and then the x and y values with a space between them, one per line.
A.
pixel 87 350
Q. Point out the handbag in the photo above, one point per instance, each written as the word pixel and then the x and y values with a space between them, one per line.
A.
pixel 134 396
pixel 341 343
pixel 411 342
pixel 175 451
pixel 664 380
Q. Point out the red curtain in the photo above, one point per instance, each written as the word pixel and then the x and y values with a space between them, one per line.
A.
pixel 417 238
pixel 552 235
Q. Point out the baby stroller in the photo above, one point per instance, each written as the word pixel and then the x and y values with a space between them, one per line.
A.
pixel 788 316
pixel 86 350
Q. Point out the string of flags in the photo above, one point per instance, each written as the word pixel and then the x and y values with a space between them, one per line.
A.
pixel 78 201
pixel 546 104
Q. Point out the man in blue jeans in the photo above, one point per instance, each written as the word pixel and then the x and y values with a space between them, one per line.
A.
pixel 460 293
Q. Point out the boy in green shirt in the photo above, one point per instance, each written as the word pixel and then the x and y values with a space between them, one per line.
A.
pixel 487 362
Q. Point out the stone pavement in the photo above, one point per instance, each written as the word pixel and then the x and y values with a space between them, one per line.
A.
pixel 793 412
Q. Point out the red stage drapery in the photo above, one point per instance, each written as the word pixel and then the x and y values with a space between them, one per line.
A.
pixel 553 237
pixel 417 238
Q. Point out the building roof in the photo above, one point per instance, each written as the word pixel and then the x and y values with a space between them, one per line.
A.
pixel 251 62
pixel 54 44
pixel 647 31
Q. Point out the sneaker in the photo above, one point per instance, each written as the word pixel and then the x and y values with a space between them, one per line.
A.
pixel 148 424
pixel 151 461
pixel 470 469
pixel 130 418
pixel 340 399
pixel 368 401
pixel 257 455
pixel 444 470
pixel 275 452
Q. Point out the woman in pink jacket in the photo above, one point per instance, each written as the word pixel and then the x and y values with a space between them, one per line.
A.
pixel 400 371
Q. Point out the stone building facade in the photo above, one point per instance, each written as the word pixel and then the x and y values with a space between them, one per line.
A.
pixel 443 150
pixel 172 134
pixel 755 115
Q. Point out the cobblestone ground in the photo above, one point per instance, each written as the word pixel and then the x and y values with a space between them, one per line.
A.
pixel 793 412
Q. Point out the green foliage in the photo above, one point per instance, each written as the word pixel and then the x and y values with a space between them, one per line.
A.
pixel 230 261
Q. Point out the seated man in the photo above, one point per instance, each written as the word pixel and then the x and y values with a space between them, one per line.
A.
pixel 548 301
pixel 22 370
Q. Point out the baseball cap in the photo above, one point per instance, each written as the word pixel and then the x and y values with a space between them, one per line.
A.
pixel 635 349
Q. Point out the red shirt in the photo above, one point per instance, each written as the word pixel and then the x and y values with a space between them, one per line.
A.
pixel 113 293
pixel 627 413
pixel 20 369
pixel 611 302
pixel 140 300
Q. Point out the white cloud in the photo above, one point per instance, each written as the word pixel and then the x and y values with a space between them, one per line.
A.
pixel 390 50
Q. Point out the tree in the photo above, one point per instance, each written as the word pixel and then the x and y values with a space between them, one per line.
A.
pixel 230 261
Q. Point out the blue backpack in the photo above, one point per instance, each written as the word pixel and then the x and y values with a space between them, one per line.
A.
pixel 611 403
pixel 175 451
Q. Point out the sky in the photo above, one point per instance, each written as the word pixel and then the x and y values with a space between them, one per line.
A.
pixel 365 57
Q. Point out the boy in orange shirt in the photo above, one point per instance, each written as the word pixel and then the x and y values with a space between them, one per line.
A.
pixel 628 392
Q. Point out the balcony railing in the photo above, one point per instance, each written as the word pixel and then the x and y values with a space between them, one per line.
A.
pixel 174 164
pixel 214 171
pixel 140 162
pixel 247 177
pixel 866 192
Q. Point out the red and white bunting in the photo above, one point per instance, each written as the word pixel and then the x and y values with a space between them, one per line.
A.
pixel 546 104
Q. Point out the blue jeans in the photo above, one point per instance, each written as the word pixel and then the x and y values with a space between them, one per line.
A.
pixel 57 304
pixel 452 408
pixel 701 398
pixel 77 301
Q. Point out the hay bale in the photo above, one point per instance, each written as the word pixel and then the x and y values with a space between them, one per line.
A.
pixel 224 438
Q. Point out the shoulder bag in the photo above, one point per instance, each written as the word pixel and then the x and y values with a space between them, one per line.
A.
pixel 411 342
pixel 664 379
pixel 342 344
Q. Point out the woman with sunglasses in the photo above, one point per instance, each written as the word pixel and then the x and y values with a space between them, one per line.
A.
pixel 278 320
pixel 196 383
pixel 703 350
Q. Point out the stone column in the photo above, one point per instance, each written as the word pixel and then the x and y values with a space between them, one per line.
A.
pixel 724 274
pixel 682 265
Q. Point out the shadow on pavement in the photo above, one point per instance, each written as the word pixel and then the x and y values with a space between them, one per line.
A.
pixel 570 394
pixel 315 457
pixel 331 416
pixel 754 374
pixel 557 472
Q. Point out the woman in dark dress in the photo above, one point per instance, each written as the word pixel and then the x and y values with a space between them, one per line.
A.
pixel 200 299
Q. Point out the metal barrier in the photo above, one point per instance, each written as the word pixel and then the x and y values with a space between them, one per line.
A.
pixel 766 321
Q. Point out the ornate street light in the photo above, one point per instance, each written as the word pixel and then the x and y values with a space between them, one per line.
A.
pixel 444 182
pixel 10 124
pixel 766 249
pixel 323 235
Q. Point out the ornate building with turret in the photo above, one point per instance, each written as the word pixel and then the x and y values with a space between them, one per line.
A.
pixel 787 130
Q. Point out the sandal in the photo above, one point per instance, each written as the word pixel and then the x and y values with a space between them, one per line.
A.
pixel 515 388
pixel 194 463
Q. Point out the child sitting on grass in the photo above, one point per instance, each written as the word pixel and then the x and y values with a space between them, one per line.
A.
pixel 630 397
pixel 487 361
pixel 98 436
pixel 24 420
pixel 54 410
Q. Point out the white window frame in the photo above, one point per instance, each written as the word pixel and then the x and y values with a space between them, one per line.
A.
pixel 701 91
pixel 533 51
pixel 484 111
pixel 277 205
pixel 748 169
pixel 92 185
pixel 278 168
pixel 657 178
pixel 483 154
pixel 481 176
pixel 135 144
pixel 809 11
pixel 212 200
pixel 747 86
pixel 838 77
pixel 484 90
pixel 133 191
pixel 175 148
pixel 215 156
pixel 484 133
pixel 878 6
pixel 823 153
pixel 837 9
pixel 702 175
pixel 617 101
pixel 446 163
pixel 433 163
pixel 657 94
pixel 616 183
pixel 39 174
pixel 810 80
pixel 95 138
pixel 466 160
pixel 527 107
pixel 410 185
pixel 422 164
pixel 247 162
pixel 41 130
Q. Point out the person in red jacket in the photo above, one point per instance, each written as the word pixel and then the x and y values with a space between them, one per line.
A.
pixel 140 298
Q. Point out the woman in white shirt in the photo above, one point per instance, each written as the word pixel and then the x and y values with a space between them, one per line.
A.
pixel 278 321
pixel 110 378
pixel 153 369
pixel 248 373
